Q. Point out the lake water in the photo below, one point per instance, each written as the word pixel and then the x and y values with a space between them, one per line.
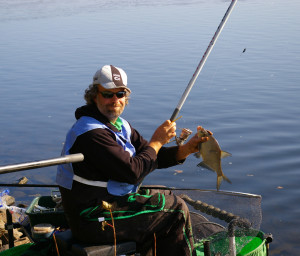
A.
pixel 49 51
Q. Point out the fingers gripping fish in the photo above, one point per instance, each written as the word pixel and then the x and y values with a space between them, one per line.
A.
pixel 211 154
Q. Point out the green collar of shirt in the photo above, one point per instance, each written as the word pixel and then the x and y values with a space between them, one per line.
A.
pixel 118 124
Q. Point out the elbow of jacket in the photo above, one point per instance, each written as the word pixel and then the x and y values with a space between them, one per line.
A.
pixel 134 179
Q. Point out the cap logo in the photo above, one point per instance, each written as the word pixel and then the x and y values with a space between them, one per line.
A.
pixel 117 77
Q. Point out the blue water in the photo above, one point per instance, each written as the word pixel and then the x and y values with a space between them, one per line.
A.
pixel 49 51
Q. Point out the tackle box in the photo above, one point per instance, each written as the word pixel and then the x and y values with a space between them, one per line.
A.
pixel 42 210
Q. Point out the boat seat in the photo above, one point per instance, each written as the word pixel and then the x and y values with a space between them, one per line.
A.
pixel 67 245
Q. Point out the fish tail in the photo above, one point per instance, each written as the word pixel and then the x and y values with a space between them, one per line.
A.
pixel 228 180
pixel 220 179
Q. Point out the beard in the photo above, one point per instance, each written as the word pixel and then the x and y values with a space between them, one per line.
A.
pixel 113 111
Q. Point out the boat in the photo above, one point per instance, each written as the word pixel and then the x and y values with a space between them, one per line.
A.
pixel 224 222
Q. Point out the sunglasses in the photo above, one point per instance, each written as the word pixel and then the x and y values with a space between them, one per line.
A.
pixel 109 95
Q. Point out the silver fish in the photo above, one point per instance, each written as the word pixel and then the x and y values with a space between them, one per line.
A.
pixel 211 154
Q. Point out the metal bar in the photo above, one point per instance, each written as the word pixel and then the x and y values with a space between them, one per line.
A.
pixel 202 61
pixel 42 163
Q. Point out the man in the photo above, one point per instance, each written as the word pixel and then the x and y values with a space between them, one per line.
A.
pixel 116 160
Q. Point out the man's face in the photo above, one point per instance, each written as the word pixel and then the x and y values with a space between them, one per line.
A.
pixel 112 107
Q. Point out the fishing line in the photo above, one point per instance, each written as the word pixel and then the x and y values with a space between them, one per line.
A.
pixel 212 77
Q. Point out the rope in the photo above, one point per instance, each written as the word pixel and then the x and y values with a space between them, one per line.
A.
pixel 55 242
pixel 108 207
pixel 113 225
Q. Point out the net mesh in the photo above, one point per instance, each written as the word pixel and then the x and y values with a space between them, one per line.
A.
pixel 234 204
pixel 217 209
pixel 243 205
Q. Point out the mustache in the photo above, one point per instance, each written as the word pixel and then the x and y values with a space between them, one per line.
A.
pixel 115 105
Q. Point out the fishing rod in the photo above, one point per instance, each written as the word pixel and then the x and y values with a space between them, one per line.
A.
pixel 202 61
pixel 29 185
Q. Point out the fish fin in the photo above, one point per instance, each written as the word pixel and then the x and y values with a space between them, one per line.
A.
pixel 220 179
pixel 204 165
pixel 225 154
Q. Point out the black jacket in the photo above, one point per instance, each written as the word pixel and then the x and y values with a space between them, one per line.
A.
pixel 105 159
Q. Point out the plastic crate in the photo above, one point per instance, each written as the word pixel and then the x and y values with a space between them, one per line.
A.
pixel 51 215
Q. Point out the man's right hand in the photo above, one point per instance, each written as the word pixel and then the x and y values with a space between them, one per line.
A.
pixel 162 135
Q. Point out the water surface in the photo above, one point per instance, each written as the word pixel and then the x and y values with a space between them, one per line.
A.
pixel 250 100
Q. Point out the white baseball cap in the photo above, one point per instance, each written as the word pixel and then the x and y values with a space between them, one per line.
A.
pixel 111 77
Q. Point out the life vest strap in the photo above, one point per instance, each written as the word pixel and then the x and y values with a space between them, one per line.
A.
pixel 94 183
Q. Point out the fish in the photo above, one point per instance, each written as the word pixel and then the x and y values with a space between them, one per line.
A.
pixel 211 154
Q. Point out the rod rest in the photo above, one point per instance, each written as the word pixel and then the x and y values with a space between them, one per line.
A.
pixel 209 209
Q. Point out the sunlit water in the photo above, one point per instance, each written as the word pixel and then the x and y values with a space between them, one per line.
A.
pixel 49 51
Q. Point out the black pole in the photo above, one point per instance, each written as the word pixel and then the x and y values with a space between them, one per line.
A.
pixel 206 245
pixel 9 227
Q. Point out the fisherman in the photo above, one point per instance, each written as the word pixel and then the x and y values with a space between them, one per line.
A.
pixel 116 160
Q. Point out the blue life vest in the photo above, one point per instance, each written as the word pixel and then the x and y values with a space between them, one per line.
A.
pixel 65 172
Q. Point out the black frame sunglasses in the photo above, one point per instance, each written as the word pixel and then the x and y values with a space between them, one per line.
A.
pixel 109 95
